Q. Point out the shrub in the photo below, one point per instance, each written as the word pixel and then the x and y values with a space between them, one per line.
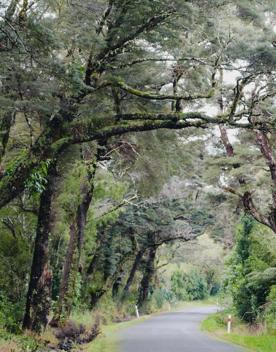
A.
pixel 161 296
pixel 270 311
pixel 189 286
pixel 10 315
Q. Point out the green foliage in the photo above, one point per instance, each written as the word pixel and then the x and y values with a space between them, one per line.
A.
pixel 10 314
pixel 178 286
pixel 214 322
pixel 38 178
pixel 270 310
pixel 189 286
pixel 77 302
pixel 251 259
pixel 13 164
pixel 161 296
pixel 14 266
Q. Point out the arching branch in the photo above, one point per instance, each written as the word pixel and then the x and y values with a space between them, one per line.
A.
pixel 154 96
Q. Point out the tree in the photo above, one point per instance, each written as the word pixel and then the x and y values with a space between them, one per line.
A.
pixel 250 261
pixel 75 73
pixel 38 297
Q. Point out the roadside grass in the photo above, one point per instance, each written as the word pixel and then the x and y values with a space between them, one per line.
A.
pixel 215 324
pixel 17 343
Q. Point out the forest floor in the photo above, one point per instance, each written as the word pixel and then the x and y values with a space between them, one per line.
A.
pixel 253 340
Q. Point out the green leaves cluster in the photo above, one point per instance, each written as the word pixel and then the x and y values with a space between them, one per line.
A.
pixel 189 286
pixel 252 258
pixel 38 178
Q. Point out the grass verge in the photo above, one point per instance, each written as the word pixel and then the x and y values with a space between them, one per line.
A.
pixel 21 343
pixel 259 342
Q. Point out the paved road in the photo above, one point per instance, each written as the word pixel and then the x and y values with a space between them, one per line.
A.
pixel 173 332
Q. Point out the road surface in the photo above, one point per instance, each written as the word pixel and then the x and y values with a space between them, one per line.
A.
pixel 173 332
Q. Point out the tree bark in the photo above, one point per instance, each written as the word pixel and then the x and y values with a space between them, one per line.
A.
pixel 147 277
pixel 177 74
pixel 5 127
pixel 132 273
pixel 73 254
pixel 39 292
pixel 117 284
pixel 96 296
pixel 267 152
pixel 225 140
pixel 65 290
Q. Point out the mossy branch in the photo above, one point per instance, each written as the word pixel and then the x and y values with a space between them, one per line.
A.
pixel 79 132
pixel 153 96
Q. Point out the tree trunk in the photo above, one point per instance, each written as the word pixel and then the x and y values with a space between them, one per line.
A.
pixel 147 277
pixel 132 273
pixel 117 284
pixel 266 150
pixel 39 293
pixel 5 127
pixel 246 198
pixel 225 140
pixel 96 296
pixel 92 266
pixel 176 105
pixel 73 255
pixel 66 290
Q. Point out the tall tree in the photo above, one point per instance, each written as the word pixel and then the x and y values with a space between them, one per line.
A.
pixel 39 292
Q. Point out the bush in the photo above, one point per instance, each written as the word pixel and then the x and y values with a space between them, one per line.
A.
pixel 270 311
pixel 189 286
pixel 249 277
pixel 162 296
pixel 10 315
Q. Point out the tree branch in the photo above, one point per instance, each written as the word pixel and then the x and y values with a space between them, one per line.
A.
pixel 114 49
pixel 56 139
pixel 105 16
pixel 153 96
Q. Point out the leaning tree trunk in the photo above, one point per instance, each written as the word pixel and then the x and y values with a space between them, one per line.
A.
pixel 132 273
pixel 65 290
pixel 104 251
pixel 147 277
pixel 73 255
pixel 38 301
pixel 117 284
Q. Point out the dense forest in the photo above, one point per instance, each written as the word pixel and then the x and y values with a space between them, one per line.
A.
pixel 137 160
